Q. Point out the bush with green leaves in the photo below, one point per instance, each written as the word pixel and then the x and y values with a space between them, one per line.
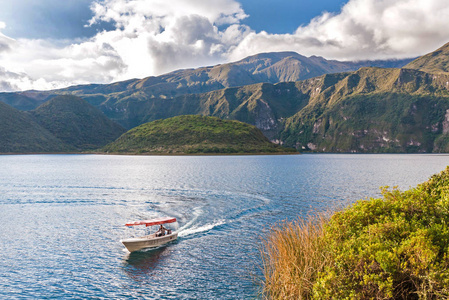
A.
pixel 394 247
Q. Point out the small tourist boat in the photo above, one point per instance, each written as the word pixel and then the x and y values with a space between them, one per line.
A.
pixel 160 237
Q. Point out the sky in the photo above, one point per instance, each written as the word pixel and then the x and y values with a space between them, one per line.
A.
pixel 47 44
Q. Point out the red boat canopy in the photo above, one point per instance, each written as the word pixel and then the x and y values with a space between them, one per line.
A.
pixel 152 222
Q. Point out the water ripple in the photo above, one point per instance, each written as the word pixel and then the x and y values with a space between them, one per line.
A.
pixel 62 217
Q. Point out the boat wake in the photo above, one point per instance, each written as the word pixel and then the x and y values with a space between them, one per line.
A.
pixel 197 213
pixel 200 211
pixel 199 229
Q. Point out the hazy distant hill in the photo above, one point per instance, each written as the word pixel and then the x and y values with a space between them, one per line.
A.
pixel 265 67
pixel 434 62
pixel 20 133
pixel 193 134
pixel 77 123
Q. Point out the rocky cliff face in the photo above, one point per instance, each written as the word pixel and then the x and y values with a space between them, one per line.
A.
pixel 373 110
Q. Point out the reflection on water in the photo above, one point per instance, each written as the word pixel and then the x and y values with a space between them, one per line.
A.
pixel 140 265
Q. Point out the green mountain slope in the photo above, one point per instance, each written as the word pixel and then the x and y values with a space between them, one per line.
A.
pixel 434 62
pixel 368 110
pixel 20 133
pixel 372 110
pixel 260 105
pixel 77 123
pixel 264 67
pixel 193 134
pixel 376 110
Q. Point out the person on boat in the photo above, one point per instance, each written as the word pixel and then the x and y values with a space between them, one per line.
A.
pixel 161 231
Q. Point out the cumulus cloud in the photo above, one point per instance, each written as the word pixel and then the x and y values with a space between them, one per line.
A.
pixel 364 29
pixel 57 66
pixel 10 81
pixel 158 36
pixel 5 42
pixel 151 37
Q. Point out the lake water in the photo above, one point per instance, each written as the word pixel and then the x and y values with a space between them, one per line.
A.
pixel 62 217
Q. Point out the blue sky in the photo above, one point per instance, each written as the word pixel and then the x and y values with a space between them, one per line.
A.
pixel 47 44
pixel 66 19
pixel 285 16
pixel 45 19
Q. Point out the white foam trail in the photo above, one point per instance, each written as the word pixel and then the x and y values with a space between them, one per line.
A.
pixel 197 212
pixel 204 228
pixel 259 197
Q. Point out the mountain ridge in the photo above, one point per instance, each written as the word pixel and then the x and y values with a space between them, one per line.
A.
pixel 434 62
pixel 371 109
pixel 271 67
pixel 63 124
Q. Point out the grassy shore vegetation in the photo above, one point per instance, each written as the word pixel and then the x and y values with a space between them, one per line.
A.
pixel 394 247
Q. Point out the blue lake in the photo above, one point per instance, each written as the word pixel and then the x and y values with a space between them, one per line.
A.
pixel 62 217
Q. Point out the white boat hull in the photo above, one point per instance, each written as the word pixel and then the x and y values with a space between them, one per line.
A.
pixel 149 241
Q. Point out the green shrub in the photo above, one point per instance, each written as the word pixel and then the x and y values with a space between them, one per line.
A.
pixel 394 247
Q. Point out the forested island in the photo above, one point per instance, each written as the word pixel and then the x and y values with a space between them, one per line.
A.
pixel 195 135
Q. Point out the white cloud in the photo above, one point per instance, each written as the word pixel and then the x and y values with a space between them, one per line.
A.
pixel 364 29
pixel 156 36
pixel 153 37
pixel 150 38
pixel 10 81
pixel 45 62
pixel 5 42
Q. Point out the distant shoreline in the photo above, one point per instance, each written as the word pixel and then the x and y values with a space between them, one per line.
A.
pixel 215 154
pixel 154 154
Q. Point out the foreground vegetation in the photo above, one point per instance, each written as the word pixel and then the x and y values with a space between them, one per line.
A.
pixel 394 247
pixel 194 135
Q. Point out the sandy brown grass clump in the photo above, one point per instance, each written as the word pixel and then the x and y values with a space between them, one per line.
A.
pixel 293 255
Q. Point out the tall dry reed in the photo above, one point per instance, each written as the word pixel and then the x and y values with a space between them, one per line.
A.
pixel 293 254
